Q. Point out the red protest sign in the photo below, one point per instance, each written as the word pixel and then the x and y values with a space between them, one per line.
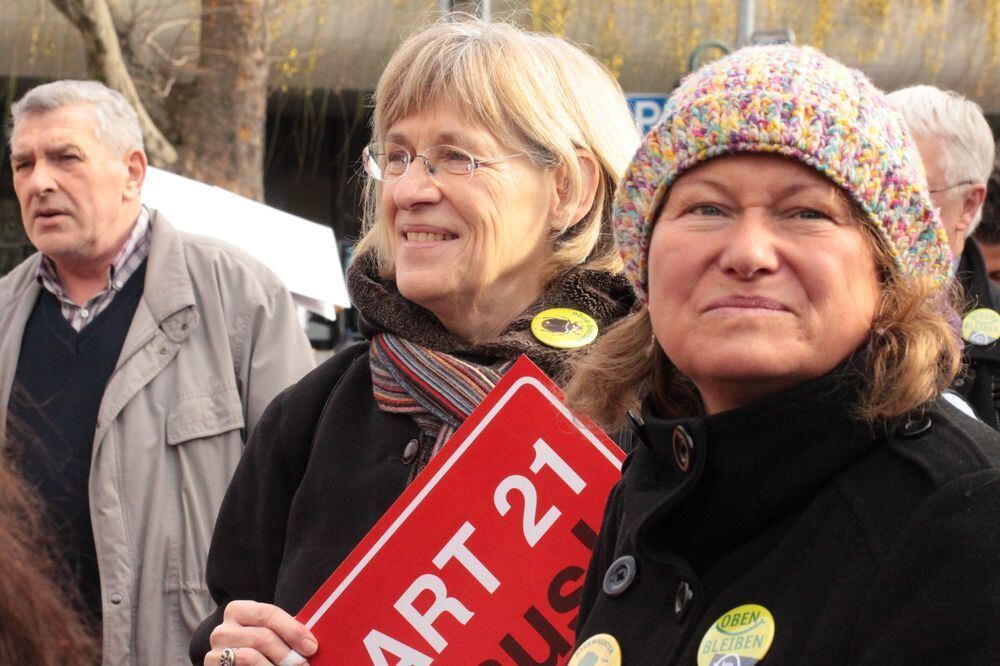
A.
pixel 481 559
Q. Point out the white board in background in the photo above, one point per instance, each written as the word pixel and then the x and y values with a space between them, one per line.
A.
pixel 301 253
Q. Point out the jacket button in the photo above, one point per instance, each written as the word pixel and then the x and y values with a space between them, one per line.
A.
pixel 682 601
pixel 914 427
pixel 683 448
pixel 410 452
pixel 116 599
pixel 619 576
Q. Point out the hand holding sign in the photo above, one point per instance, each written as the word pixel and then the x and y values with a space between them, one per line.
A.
pixel 263 633
pixel 481 559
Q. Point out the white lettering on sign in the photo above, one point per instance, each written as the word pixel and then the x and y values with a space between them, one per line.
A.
pixel 378 644
pixel 546 457
pixel 456 549
pixel 647 112
pixel 424 623
pixel 533 530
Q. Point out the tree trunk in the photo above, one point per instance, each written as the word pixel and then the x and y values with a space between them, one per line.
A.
pixel 104 60
pixel 220 118
pixel 217 120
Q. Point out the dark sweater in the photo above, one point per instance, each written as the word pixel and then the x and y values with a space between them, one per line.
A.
pixel 58 387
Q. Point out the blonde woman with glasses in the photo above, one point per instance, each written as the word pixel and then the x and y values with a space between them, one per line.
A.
pixel 493 159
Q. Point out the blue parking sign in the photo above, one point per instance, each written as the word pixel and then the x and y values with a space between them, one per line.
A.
pixel 647 109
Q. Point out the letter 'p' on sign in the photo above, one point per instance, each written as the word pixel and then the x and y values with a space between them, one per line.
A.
pixel 647 109
pixel 481 559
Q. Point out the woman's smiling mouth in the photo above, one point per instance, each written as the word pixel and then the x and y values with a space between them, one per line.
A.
pixel 423 237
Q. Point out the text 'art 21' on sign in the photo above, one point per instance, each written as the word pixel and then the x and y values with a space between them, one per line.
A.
pixel 481 559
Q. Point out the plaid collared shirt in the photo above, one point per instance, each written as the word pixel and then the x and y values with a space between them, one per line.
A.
pixel 128 259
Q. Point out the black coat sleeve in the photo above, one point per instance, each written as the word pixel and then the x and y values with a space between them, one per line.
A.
pixel 248 542
pixel 937 598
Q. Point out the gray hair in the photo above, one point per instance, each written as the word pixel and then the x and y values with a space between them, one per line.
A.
pixel 117 125
pixel 966 137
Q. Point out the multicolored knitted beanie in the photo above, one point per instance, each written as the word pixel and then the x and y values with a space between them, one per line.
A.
pixel 797 102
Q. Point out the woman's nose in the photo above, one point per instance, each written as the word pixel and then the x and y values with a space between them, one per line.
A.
pixel 750 247
pixel 416 186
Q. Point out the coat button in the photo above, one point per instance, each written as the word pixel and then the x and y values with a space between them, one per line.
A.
pixel 619 576
pixel 410 452
pixel 682 600
pixel 914 427
pixel 683 448
pixel 116 599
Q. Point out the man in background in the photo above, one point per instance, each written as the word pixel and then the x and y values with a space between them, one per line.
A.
pixel 957 149
pixel 988 232
pixel 139 358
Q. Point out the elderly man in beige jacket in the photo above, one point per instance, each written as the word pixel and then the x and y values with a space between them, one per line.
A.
pixel 139 358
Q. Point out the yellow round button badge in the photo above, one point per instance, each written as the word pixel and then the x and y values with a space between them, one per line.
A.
pixel 981 326
pixel 598 650
pixel 564 328
pixel 741 637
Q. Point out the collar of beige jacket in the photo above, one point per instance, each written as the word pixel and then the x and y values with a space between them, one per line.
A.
pixel 173 290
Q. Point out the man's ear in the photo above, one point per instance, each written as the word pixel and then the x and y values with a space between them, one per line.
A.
pixel 135 162
pixel 570 208
pixel 972 201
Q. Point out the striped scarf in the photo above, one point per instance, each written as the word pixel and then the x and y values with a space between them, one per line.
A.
pixel 437 390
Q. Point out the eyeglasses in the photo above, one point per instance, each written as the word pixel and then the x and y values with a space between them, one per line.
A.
pixel 951 187
pixel 389 161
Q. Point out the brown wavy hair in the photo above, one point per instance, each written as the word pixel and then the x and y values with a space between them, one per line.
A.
pixel 911 355
pixel 39 619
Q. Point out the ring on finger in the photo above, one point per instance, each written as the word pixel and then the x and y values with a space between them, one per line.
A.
pixel 228 657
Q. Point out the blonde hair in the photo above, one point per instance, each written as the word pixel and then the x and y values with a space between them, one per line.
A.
pixel 912 354
pixel 536 93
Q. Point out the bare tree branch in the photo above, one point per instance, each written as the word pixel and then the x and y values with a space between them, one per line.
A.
pixel 94 21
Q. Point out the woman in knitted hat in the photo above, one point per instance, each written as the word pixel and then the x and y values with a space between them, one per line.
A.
pixel 801 493
pixel 493 161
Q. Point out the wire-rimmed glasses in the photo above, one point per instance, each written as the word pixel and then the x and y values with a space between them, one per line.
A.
pixel 389 161
pixel 951 187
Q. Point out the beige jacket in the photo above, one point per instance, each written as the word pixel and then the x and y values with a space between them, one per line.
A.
pixel 213 339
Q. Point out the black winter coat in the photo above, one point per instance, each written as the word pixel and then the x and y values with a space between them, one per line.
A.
pixel 325 462
pixel 867 548
pixel 298 505
pixel 980 381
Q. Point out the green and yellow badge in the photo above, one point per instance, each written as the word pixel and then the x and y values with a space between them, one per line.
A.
pixel 981 326
pixel 598 650
pixel 741 637
pixel 564 328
